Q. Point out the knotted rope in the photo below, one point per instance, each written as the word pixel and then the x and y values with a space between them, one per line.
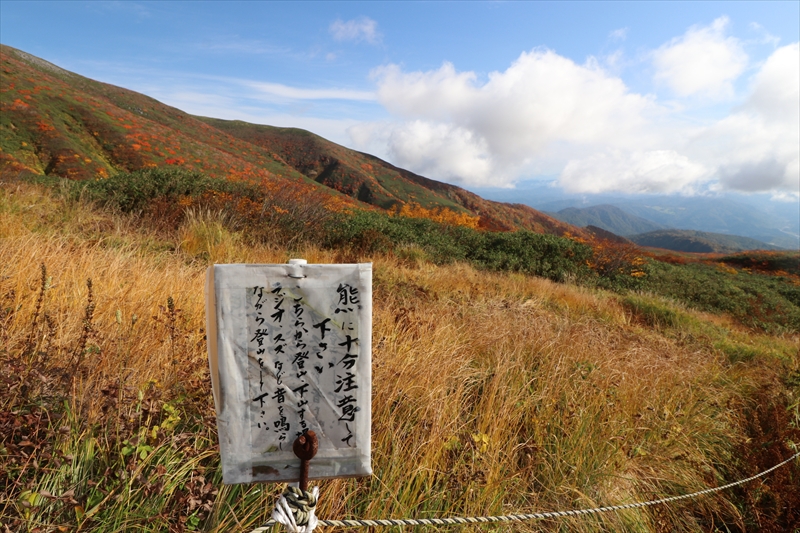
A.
pixel 295 510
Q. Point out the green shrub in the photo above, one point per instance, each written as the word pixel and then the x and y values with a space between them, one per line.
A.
pixel 133 191
pixel 519 251
pixel 757 300
pixel 767 302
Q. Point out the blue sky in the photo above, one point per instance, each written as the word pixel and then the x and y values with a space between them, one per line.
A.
pixel 674 97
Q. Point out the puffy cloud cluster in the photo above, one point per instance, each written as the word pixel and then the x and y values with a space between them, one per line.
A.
pixel 701 62
pixel 546 114
pixel 757 148
pixel 458 129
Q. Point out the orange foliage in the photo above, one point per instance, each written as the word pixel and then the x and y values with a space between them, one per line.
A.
pixel 671 259
pixel 439 214
pixel 612 258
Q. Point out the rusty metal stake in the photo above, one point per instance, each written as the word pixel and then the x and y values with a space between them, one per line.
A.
pixel 305 448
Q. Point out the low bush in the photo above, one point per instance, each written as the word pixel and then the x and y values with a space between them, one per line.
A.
pixel 135 191
pixel 523 251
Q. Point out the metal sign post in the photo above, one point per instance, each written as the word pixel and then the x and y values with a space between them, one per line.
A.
pixel 305 448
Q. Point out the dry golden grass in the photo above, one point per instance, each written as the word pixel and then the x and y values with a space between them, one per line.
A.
pixel 492 393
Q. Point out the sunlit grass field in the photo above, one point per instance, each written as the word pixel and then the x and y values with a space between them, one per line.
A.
pixel 493 393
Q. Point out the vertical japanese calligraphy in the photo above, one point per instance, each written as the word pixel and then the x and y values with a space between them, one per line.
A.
pixel 303 372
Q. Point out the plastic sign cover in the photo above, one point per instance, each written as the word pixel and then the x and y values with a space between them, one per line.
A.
pixel 290 350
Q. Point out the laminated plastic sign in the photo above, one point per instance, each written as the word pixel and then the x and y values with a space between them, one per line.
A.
pixel 290 351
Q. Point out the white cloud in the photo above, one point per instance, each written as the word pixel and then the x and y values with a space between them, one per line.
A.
pixel 654 171
pixel 360 29
pixel 547 115
pixel 757 148
pixel 776 91
pixel 701 62
pixel 766 37
pixel 507 123
pixel 437 149
pixel 619 34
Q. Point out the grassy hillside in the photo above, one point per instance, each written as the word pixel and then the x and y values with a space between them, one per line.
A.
pixel 759 289
pixel 546 396
pixel 57 123
pixel 698 241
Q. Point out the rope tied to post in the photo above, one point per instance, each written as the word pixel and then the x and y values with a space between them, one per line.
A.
pixel 295 509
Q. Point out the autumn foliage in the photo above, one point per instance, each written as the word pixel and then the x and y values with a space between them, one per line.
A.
pixel 615 261
pixel 441 215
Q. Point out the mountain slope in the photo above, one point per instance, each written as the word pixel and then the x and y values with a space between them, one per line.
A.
pixel 609 218
pixel 377 182
pixel 698 241
pixel 55 122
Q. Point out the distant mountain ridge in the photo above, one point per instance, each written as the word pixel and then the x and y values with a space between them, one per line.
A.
pixel 608 217
pixel 55 122
pixel 699 241
pixel 775 223
pixel 646 233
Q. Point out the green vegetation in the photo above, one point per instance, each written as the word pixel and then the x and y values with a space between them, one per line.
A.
pixel 762 292
pixel 523 251
pixel 771 303
pixel 136 191
pixel 363 232
pixel 768 262
pixel 679 322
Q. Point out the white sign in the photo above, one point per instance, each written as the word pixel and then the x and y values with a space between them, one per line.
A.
pixel 290 351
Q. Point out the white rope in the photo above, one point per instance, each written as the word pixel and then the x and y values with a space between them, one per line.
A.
pixel 522 517
pixel 295 510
